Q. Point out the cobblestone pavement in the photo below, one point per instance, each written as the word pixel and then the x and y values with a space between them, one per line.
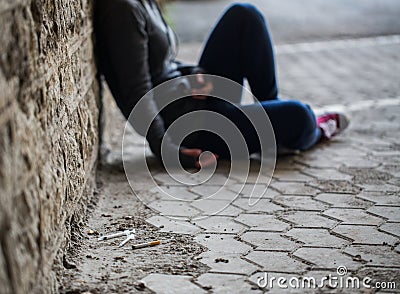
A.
pixel 337 205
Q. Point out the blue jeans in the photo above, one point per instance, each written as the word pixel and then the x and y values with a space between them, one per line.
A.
pixel 240 47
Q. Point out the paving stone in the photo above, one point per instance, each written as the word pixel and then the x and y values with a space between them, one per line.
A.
pixel 327 174
pixel 309 219
pixel 276 262
pixel 288 163
pixel 220 224
pixel 174 226
pixel 391 213
pixel 214 193
pixel 263 205
pixel 179 179
pixel 291 176
pixel 361 162
pixel 393 169
pixel 287 188
pixel 262 222
pixel 252 177
pixel 222 243
pixel 365 235
pixel 320 161
pixel 174 208
pixel 300 202
pixel 367 175
pixel 353 216
pixel 226 283
pixel 375 255
pixel 327 258
pixel 335 186
pixel 256 190
pixel 343 200
pixel 391 228
pixel 379 188
pixel 169 284
pixel 394 181
pixel 316 237
pixel 166 179
pixel 380 198
pixel 269 241
pixel 174 193
pixel 216 207
pixel 227 263
pixel 219 179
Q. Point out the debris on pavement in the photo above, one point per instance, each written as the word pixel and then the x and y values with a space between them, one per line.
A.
pixel 147 244
pixel 116 235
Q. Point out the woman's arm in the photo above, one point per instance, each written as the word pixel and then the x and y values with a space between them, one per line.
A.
pixel 123 41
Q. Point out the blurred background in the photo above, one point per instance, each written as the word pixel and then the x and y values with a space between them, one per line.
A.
pixel 294 21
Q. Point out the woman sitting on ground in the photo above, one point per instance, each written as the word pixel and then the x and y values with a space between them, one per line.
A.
pixel 136 52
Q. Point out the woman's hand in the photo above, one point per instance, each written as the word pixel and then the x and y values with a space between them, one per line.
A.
pixel 205 161
pixel 204 88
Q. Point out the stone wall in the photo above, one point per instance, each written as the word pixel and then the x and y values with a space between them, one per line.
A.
pixel 49 109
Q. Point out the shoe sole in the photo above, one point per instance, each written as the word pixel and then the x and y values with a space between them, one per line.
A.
pixel 343 122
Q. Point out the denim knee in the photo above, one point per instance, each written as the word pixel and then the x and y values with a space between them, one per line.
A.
pixel 303 117
pixel 245 11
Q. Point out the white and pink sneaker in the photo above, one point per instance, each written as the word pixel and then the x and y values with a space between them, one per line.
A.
pixel 332 124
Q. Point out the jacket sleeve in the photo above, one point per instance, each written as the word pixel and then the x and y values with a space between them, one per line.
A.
pixel 126 45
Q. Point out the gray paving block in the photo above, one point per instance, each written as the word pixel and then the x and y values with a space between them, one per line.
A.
pixel 174 208
pixel 288 188
pixel 171 284
pixel 178 193
pixel 269 241
pixel 316 237
pixel 368 235
pixel 166 224
pixel 216 207
pixel 309 219
pixel 226 283
pixel 353 216
pixel 335 186
pixel 343 200
pixel 227 263
pixel 291 176
pixel 220 224
pixel 262 222
pixel 214 192
pixel 381 198
pixel 222 243
pixel 391 213
pixel 300 202
pixel 251 190
pixel 380 188
pixel 263 205
pixel 276 262
pixel 391 228
pixel 375 255
pixel 327 174
pixel 326 258
pixel 321 161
